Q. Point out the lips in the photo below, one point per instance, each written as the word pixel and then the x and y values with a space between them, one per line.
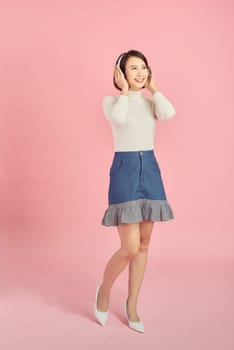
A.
pixel 139 80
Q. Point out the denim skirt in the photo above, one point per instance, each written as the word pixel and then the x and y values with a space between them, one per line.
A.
pixel 136 191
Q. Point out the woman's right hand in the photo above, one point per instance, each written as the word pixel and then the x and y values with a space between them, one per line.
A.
pixel 120 79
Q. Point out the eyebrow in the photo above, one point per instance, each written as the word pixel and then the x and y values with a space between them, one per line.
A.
pixel 135 65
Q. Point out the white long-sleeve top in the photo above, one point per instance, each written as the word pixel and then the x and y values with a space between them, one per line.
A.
pixel 133 119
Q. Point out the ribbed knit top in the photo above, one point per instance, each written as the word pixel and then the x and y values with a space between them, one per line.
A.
pixel 133 119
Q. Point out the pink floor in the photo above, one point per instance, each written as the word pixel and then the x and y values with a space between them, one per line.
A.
pixel 185 305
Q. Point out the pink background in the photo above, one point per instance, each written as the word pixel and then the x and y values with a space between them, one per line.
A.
pixel 56 65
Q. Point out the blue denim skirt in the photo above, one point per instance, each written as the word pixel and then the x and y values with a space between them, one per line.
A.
pixel 136 191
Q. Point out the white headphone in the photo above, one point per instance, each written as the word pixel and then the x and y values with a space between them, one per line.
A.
pixel 119 60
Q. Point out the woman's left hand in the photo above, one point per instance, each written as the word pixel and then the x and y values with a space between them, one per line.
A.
pixel 150 84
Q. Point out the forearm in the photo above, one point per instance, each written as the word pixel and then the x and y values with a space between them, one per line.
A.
pixel 153 90
pixel 124 92
pixel 162 107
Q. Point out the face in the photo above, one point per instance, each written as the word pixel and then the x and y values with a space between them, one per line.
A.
pixel 136 73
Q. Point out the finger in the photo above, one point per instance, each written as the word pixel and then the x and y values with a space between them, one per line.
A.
pixel 119 70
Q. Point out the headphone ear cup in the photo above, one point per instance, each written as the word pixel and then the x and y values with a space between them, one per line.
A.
pixel 122 72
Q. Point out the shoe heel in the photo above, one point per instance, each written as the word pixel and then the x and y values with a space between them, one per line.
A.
pixel 99 315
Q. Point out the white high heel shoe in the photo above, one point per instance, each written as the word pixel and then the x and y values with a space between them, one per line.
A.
pixel 100 315
pixel 136 326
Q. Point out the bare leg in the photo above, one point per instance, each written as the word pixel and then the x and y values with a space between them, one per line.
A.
pixel 130 244
pixel 136 270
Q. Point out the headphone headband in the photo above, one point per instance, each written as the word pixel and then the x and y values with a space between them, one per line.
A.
pixel 120 58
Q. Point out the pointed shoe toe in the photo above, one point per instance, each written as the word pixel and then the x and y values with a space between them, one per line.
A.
pixel 136 326
pixel 101 316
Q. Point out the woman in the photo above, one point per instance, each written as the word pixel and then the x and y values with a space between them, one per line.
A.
pixel 136 193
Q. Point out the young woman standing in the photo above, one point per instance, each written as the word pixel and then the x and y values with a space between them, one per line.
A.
pixel 136 194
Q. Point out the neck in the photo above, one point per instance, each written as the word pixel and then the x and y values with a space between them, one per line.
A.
pixel 134 92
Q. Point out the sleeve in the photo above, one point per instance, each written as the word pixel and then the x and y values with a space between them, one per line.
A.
pixel 163 109
pixel 116 108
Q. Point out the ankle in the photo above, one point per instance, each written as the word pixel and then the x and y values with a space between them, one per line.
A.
pixel 131 302
pixel 102 301
pixel 104 292
pixel 132 312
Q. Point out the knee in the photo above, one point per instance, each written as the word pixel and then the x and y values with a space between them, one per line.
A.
pixel 145 235
pixel 132 250
pixel 144 245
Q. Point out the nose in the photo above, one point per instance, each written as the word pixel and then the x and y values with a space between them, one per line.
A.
pixel 139 73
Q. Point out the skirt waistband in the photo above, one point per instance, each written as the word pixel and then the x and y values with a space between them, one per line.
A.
pixel 133 154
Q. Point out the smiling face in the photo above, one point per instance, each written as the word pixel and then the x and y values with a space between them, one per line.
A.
pixel 136 73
